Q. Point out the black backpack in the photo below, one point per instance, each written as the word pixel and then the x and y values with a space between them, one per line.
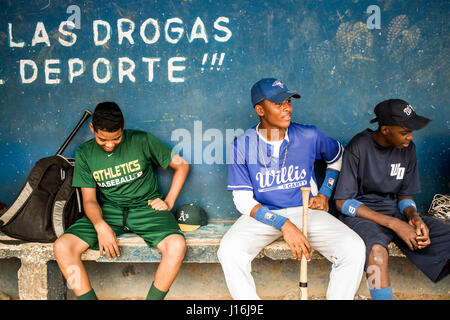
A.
pixel 48 204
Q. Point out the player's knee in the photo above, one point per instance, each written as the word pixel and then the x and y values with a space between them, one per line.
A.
pixel 179 245
pixel 230 251
pixel 58 247
pixel 64 246
pixel 225 250
pixel 175 246
pixel 353 249
pixel 378 255
pixel 359 249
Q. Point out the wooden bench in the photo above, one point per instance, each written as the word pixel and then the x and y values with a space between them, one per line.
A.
pixel 39 280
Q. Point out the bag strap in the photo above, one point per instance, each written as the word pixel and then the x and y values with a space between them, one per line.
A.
pixel 13 242
pixel 64 193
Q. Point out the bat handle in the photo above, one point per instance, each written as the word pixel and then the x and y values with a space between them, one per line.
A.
pixel 303 284
pixel 85 116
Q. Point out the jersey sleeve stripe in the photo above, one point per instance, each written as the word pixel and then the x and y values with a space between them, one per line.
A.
pixel 240 187
pixel 338 155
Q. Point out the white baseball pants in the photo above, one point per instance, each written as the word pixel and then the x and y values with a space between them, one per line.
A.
pixel 326 234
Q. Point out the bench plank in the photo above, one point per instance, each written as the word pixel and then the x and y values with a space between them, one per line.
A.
pixel 202 245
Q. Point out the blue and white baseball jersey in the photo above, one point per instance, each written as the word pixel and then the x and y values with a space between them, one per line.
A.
pixel 276 182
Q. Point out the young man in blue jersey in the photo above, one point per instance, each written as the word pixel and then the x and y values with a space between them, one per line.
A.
pixel 374 193
pixel 267 166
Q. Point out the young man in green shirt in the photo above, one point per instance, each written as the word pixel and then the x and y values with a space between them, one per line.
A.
pixel 118 162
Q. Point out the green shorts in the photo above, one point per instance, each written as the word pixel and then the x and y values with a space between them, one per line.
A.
pixel 153 226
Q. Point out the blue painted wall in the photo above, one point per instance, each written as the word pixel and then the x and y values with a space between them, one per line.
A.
pixel 323 49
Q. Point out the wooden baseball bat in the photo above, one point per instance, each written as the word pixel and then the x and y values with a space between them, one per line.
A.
pixel 304 263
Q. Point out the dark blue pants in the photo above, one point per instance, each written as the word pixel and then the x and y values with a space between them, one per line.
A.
pixel 432 260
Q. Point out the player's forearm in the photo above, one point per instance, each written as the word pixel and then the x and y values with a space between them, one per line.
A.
pixel 369 214
pixel 410 212
pixel 255 208
pixel 381 219
pixel 244 201
pixel 93 212
pixel 178 179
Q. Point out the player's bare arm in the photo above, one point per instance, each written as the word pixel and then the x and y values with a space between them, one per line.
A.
pixel 181 170
pixel 404 230
pixel 295 239
pixel 107 240
pixel 422 232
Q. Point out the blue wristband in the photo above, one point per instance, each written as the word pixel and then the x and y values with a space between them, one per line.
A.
pixel 350 207
pixel 329 182
pixel 270 218
pixel 403 204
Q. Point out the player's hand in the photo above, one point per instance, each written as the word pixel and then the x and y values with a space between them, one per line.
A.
pixel 107 240
pixel 158 204
pixel 406 232
pixel 319 202
pixel 296 241
pixel 422 232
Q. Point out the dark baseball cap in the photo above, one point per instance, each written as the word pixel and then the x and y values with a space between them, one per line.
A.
pixel 397 112
pixel 271 89
pixel 190 217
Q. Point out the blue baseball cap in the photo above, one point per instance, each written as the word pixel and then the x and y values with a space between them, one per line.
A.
pixel 271 89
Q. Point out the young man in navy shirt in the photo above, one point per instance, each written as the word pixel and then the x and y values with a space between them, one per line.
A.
pixel 267 166
pixel 374 192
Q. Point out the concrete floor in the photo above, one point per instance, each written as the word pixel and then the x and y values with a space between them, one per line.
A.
pixel 274 280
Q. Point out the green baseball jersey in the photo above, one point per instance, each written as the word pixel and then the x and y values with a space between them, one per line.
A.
pixel 125 176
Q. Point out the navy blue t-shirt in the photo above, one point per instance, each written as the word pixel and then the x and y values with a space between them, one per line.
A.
pixel 376 175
